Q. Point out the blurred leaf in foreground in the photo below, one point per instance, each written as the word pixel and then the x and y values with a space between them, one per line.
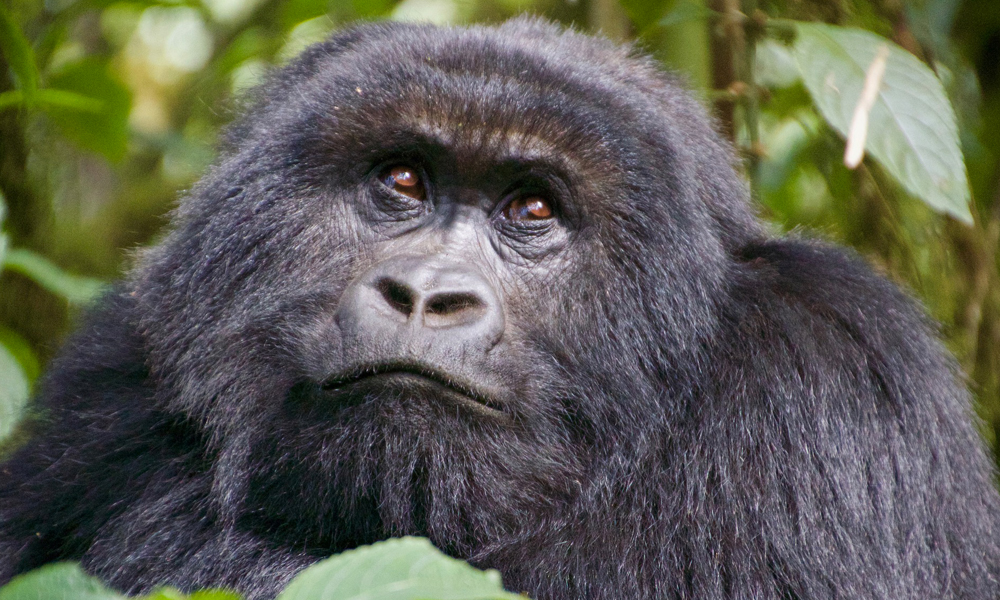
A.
pixel 398 569
pixel 67 581
pixel 58 581
pixel 174 594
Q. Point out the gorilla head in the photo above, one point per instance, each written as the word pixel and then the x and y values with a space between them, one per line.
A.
pixel 441 278
pixel 501 287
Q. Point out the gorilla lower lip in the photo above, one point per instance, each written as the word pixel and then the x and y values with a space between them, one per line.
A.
pixel 419 379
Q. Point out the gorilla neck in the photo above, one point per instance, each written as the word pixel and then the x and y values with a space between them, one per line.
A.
pixel 392 466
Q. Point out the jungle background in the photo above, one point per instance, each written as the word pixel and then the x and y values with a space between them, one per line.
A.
pixel 109 109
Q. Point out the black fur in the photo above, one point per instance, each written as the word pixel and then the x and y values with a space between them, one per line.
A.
pixel 689 408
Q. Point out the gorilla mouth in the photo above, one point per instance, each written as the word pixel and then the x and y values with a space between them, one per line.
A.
pixel 418 378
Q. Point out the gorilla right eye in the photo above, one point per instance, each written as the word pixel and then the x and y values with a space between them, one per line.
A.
pixel 528 208
pixel 404 180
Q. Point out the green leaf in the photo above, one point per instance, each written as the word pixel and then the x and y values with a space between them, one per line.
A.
pixel 59 581
pixel 372 9
pixel 22 352
pixel 4 242
pixel 214 595
pixel 67 581
pixel 169 593
pixel 912 130
pixel 45 273
pixel 11 98
pixel 56 99
pixel 13 395
pixel 644 13
pixel 17 52
pixel 399 569
pixel 686 11
pixel 248 44
pixel 80 89
pixel 165 594
pixel 297 11
pixel 774 65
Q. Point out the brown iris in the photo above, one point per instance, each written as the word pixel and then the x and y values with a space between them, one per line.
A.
pixel 404 180
pixel 528 208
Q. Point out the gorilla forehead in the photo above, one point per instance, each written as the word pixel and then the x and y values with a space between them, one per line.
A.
pixel 481 92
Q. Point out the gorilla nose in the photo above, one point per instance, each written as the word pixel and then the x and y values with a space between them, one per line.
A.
pixel 437 308
pixel 423 301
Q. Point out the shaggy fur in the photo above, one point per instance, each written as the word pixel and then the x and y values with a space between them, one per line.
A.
pixel 691 408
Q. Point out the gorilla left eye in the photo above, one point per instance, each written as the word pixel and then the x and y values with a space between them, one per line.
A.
pixel 528 208
pixel 404 180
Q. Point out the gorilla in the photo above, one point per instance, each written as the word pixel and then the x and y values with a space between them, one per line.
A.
pixel 501 287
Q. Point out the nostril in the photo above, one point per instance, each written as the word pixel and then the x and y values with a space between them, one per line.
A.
pixel 396 294
pixel 452 303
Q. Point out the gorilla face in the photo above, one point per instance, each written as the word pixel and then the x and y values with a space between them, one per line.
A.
pixel 439 280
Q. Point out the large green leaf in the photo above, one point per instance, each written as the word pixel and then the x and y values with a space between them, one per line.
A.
pixel 912 130
pixel 17 52
pixel 13 394
pixel 90 107
pixel 59 581
pixel 399 569
pixel 46 274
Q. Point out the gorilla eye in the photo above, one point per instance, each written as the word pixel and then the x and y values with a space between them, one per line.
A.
pixel 404 180
pixel 529 208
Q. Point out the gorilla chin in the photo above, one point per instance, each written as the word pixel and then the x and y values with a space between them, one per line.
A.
pixel 414 380
pixel 501 287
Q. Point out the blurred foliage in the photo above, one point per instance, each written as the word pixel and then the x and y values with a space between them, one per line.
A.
pixel 109 108
pixel 406 568
pixel 67 581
